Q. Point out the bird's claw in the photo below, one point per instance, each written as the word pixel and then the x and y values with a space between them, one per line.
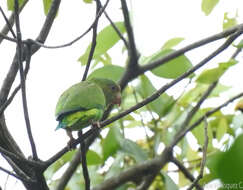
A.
pixel 71 145
pixel 96 125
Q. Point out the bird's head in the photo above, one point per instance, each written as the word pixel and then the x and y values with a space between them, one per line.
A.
pixel 112 91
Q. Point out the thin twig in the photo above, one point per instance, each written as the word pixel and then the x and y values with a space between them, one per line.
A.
pixel 203 162
pixel 27 179
pixel 93 43
pixel 132 50
pixel 40 44
pixel 199 103
pixel 84 162
pixel 117 30
pixel 8 23
pixel 22 79
pixel 185 171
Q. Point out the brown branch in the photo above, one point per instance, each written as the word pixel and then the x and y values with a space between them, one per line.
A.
pixel 128 76
pixel 9 24
pixel 116 29
pixel 136 172
pixel 93 43
pixel 25 179
pixel 22 78
pixel 41 44
pixel 132 50
pixel 186 173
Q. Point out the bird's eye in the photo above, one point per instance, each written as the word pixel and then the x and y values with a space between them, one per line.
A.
pixel 113 88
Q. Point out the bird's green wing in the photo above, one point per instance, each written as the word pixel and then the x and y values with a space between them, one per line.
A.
pixel 80 119
pixel 82 96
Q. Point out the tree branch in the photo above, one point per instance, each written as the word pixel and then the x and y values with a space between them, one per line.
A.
pixel 22 78
pixel 117 30
pixel 9 23
pixel 25 179
pixel 41 44
pixel 230 32
pixel 138 171
pixel 93 43
pixel 132 50
pixel 186 173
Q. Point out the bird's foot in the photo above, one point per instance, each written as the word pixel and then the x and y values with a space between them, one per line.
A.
pixel 96 125
pixel 71 145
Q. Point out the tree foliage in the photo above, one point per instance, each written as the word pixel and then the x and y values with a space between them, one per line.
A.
pixel 154 130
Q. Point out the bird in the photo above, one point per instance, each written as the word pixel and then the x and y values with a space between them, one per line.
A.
pixel 83 104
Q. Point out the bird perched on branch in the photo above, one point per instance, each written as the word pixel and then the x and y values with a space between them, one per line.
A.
pixel 84 103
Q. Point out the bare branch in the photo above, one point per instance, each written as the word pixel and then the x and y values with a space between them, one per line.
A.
pixel 195 108
pixel 41 44
pixel 22 78
pixel 136 172
pixel 93 43
pixel 185 171
pixel 163 60
pixel 9 24
pixel 132 50
pixel 25 179
pixel 116 29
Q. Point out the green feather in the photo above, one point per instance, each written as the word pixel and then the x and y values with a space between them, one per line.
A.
pixel 84 103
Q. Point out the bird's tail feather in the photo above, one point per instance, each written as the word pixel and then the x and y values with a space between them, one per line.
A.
pixel 60 126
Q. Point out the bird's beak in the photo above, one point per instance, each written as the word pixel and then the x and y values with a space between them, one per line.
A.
pixel 118 99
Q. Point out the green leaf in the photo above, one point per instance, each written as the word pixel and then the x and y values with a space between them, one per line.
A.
pixel 229 22
pixel 172 43
pixel 88 1
pixel 105 40
pixel 222 128
pixel 169 183
pixel 171 69
pixel 111 142
pixel 162 104
pixel 239 45
pixel 10 4
pixel 47 5
pixel 208 5
pixel 229 166
pixel 194 94
pixel 112 72
pixel 58 164
pixel 211 75
pixel 133 150
pixel 93 158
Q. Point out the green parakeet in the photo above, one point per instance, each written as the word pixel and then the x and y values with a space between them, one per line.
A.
pixel 84 103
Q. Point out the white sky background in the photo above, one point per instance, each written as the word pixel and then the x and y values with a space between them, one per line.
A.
pixel 53 70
